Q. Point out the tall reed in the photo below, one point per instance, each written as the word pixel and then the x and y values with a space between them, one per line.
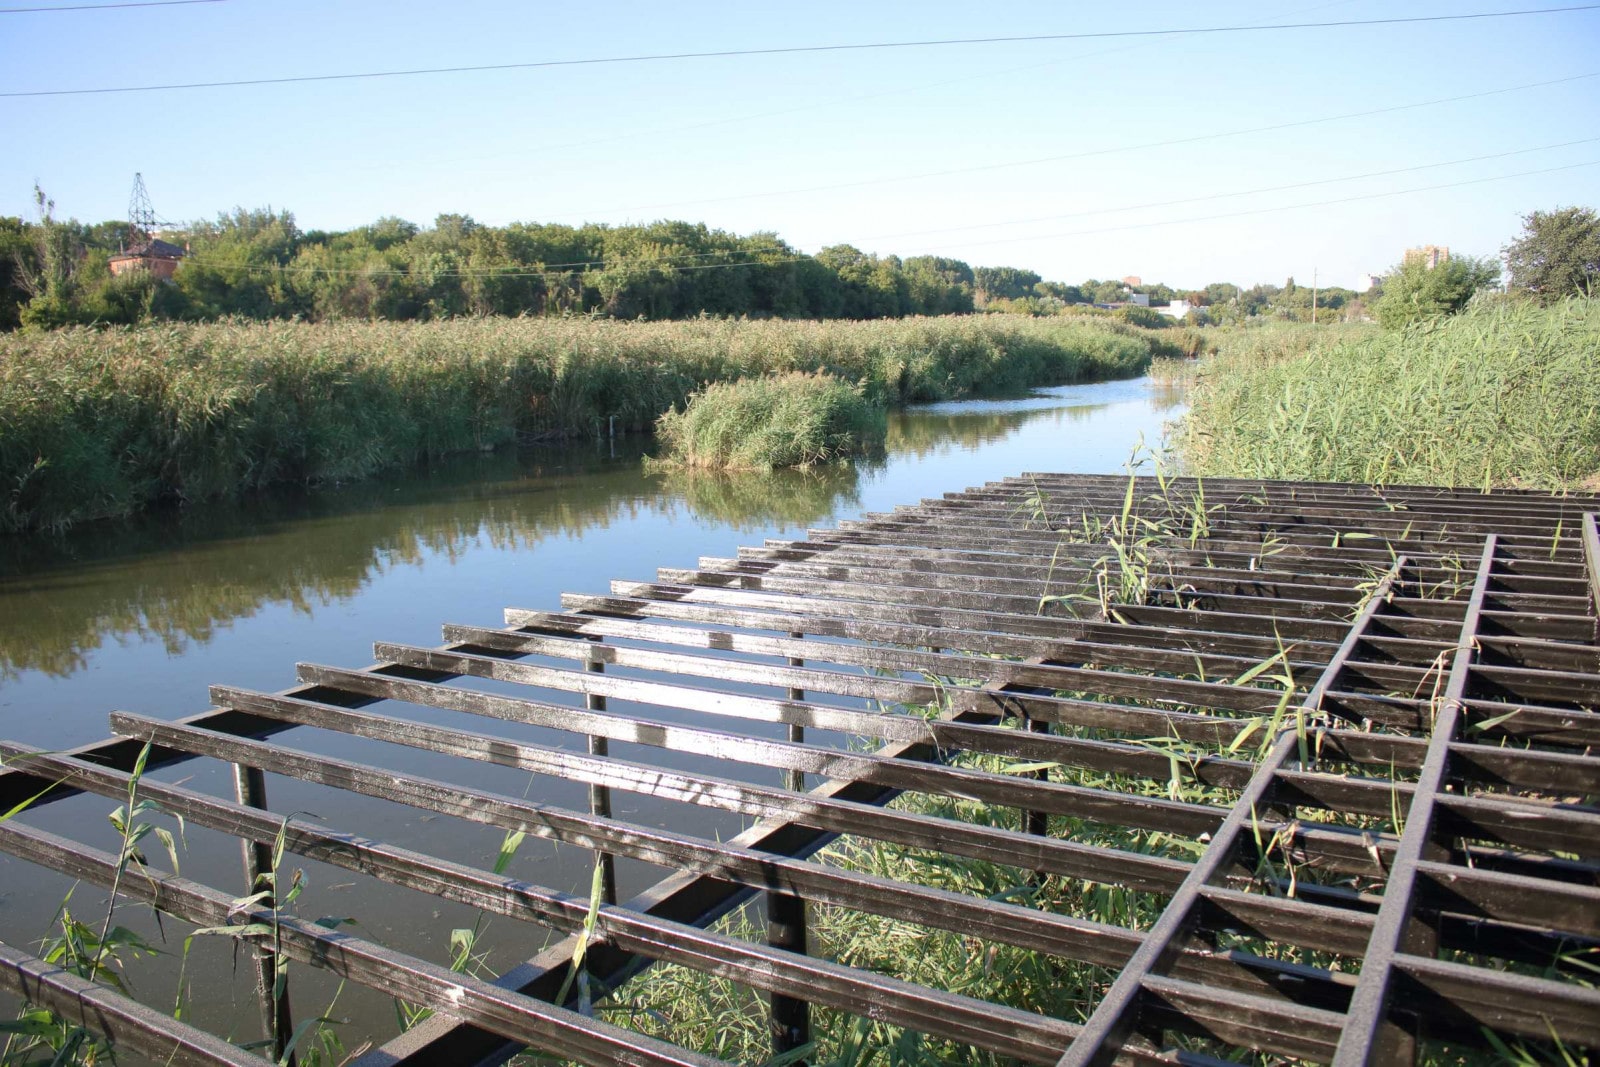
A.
pixel 1504 394
pixel 97 423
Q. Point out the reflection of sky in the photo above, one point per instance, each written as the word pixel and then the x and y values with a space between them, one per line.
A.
pixel 1095 394
pixel 469 575
pixel 394 561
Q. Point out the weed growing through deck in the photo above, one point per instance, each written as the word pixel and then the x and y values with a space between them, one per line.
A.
pixel 1130 572
pixel 314 1042
pixel 78 948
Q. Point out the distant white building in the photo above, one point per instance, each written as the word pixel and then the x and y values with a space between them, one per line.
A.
pixel 1365 283
pixel 1139 299
pixel 1178 309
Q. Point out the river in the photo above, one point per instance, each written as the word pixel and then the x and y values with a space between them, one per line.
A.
pixel 142 616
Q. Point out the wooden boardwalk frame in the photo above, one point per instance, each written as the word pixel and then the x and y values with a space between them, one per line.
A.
pixel 1431 789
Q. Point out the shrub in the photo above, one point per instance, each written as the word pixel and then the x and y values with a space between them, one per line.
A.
pixel 788 420
pixel 1415 292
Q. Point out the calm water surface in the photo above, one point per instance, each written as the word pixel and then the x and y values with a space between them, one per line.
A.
pixel 144 616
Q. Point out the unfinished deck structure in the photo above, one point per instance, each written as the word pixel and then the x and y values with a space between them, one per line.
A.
pixel 1400 853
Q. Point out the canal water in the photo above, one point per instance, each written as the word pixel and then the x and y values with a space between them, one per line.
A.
pixel 143 616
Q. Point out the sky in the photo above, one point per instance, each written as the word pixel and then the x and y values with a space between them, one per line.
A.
pixel 1245 156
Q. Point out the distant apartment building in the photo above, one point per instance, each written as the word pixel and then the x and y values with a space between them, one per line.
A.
pixel 1133 281
pixel 1430 256
pixel 1365 283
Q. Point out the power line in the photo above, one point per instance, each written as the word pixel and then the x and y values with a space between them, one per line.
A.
pixel 1240 192
pixel 806 49
pixel 558 269
pixel 1095 152
pixel 547 270
pixel 103 7
pixel 1292 207
pixel 631 136
pixel 641 265
pixel 651 265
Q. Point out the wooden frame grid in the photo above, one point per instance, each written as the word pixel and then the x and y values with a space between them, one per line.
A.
pixel 1385 699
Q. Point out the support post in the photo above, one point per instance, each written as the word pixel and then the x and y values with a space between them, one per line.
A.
pixel 600 795
pixel 786 929
pixel 796 779
pixel 277 1026
pixel 1036 822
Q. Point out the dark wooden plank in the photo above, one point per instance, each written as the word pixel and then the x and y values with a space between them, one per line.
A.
pixel 1361 1041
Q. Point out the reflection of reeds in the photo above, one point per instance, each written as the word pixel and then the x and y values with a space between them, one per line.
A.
pixel 1169 393
pixel 919 432
pixel 180 577
pixel 749 500
pixel 99 422
pixel 1505 393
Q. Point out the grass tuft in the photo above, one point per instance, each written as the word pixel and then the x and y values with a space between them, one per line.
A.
pixel 787 420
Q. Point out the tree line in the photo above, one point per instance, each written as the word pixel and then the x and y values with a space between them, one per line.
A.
pixel 260 264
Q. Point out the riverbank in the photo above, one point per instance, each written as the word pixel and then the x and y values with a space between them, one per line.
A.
pixel 1505 394
pixel 98 423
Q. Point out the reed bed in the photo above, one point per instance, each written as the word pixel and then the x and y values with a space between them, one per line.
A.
pixel 1504 394
pixel 97 423
pixel 781 420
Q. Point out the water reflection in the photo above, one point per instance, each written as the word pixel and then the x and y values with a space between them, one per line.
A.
pixel 143 616
pixel 745 500
pixel 180 577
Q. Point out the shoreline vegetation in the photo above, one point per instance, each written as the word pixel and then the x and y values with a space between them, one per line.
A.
pixel 782 420
pixel 1504 394
pixel 98 423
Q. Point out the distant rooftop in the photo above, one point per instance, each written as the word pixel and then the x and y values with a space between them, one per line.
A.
pixel 155 248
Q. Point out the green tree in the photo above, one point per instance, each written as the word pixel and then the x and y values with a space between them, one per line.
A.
pixel 1557 255
pixel 1005 283
pixel 16 255
pixel 1413 292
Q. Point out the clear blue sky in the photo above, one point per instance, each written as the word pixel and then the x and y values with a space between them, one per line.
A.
pixel 878 148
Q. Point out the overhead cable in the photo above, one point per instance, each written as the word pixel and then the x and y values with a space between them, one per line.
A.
pixel 804 49
pixel 103 7
pixel 1237 192
pixel 650 265
pixel 1096 152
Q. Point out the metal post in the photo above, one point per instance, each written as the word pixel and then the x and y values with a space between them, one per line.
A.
pixel 600 795
pixel 796 779
pixel 786 916
pixel 786 929
pixel 1037 822
pixel 277 1026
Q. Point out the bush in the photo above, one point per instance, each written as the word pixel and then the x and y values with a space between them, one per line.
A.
pixel 788 420
pixel 1149 318
pixel 1415 292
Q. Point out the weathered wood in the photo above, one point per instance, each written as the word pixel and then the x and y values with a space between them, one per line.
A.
pixel 951 605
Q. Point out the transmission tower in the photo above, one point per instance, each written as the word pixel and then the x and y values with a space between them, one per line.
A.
pixel 142 218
